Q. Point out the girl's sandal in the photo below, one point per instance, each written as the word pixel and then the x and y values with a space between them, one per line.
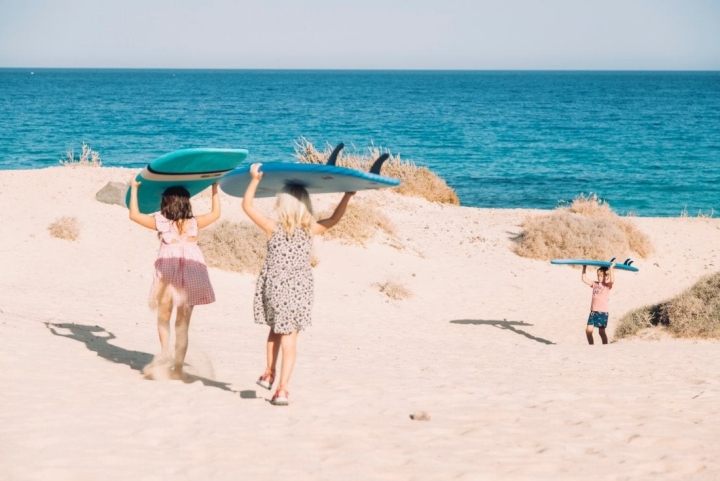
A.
pixel 280 398
pixel 266 380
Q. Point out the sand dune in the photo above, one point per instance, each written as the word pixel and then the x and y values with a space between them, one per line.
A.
pixel 490 344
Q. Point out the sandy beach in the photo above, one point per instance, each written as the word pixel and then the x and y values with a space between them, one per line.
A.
pixel 491 345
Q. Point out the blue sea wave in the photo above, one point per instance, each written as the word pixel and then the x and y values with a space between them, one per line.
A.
pixel 647 142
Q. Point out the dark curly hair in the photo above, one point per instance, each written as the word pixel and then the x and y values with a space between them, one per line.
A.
pixel 175 205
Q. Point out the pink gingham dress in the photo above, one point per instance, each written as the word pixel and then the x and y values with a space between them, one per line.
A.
pixel 180 266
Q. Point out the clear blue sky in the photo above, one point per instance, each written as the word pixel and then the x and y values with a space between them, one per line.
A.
pixel 362 34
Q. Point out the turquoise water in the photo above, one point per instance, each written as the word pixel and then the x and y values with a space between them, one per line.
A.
pixel 647 142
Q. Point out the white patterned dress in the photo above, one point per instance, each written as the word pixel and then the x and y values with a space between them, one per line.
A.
pixel 180 266
pixel 284 290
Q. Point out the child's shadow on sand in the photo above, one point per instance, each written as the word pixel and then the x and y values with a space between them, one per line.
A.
pixel 93 339
pixel 509 325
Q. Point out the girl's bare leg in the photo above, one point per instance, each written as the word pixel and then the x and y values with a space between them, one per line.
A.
pixel 163 324
pixel 589 334
pixel 273 349
pixel 182 325
pixel 288 342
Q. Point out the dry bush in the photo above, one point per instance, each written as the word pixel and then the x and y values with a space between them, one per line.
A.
pixel 586 229
pixel 695 313
pixel 232 246
pixel 65 228
pixel 361 222
pixel 237 247
pixel 416 181
pixel 395 290
pixel 88 157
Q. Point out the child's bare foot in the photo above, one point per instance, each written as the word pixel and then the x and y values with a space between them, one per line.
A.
pixel 178 374
pixel 158 369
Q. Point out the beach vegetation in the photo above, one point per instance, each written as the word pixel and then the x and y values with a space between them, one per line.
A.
pixel 67 228
pixel 695 313
pixel 587 228
pixel 88 158
pixel 394 290
pixel 362 222
pixel 701 215
pixel 416 181
pixel 234 246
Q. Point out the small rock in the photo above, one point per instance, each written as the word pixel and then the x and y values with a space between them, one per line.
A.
pixel 113 193
pixel 420 416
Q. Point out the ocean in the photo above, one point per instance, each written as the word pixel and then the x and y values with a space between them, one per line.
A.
pixel 646 142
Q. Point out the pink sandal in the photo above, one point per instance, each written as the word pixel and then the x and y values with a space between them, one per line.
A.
pixel 266 380
pixel 280 399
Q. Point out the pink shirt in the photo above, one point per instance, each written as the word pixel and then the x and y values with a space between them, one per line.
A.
pixel 600 297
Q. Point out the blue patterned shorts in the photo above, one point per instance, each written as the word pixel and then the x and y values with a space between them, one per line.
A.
pixel 598 319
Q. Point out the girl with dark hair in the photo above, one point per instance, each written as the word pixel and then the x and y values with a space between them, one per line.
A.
pixel 181 277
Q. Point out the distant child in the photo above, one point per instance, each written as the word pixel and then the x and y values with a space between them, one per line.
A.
pixel 181 277
pixel 284 291
pixel 600 301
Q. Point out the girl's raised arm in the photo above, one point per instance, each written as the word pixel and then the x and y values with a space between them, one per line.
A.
pixel 584 279
pixel 248 203
pixel 207 219
pixel 321 226
pixel 135 214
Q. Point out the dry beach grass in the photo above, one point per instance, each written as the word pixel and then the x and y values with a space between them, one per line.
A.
pixel 694 313
pixel 67 228
pixel 586 229
pixel 362 222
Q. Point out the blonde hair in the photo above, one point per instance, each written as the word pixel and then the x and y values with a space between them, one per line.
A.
pixel 294 209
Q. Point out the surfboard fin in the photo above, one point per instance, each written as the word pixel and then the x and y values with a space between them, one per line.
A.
pixel 334 155
pixel 626 261
pixel 630 263
pixel 377 165
pixel 612 259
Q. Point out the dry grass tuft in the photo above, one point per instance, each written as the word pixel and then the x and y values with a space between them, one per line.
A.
pixel 694 313
pixel 362 221
pixel 702 215
pixel 395 290
pixel 88 158
pixel 416 181
pixel 232 246
pixel 67 228
pixel 586 229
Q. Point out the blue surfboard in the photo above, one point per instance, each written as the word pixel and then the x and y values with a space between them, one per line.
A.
pixel 316 178
pixel 625 266
pixel 194 169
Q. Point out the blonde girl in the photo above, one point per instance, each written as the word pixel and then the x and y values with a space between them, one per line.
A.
pixel 284 291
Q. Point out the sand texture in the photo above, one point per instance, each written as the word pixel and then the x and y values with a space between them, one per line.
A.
pixel 490 346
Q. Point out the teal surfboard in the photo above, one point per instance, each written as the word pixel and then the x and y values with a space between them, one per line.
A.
pixel 625 266
pixel 194 169
pixel 316 178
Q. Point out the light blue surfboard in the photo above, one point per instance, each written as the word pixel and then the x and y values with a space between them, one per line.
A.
pixel 625 266
pixel 316 178
pixel 194 169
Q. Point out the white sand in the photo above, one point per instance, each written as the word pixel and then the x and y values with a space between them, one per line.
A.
pixel 491 345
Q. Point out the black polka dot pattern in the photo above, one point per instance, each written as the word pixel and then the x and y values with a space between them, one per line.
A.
pixel 284 290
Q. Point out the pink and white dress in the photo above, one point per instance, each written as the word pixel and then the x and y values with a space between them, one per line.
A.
pixel 180 269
